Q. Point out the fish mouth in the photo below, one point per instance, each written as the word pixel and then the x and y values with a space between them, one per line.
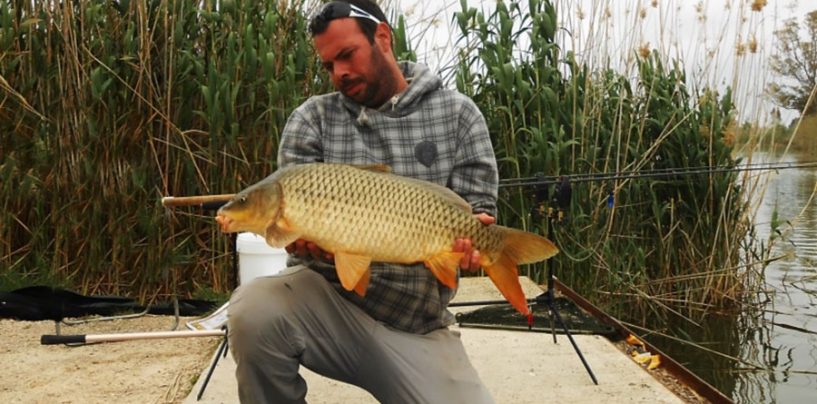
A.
pixel 224 222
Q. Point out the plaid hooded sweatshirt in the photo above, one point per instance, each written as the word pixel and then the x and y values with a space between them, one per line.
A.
pixel 425 132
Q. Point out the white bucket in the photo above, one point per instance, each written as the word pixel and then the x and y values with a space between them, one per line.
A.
pixel 256 258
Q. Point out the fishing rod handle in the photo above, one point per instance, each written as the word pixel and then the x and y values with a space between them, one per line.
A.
pixel 173 201
pixel 62 339
pixel 95 338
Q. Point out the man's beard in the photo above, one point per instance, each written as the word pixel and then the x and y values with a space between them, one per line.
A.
pixel 376 91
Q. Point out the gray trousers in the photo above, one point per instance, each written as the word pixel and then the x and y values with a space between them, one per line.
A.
pixel 278 323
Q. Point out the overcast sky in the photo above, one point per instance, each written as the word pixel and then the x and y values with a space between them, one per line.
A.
pixel 705 35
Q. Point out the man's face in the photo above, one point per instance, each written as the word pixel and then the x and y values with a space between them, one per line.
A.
pixel 358 68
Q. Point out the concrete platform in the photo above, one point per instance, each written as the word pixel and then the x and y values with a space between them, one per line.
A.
pixel 516 366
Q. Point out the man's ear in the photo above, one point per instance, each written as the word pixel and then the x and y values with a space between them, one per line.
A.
pixel 382 36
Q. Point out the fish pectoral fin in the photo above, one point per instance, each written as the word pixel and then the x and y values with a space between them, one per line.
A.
pixel 279 235
pixel 505 276
pixel 353 271
pixel 444 266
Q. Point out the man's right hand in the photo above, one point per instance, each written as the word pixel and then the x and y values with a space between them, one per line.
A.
pixel 471 259
pixel 303 248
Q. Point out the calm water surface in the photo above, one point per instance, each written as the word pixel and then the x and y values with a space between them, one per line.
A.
pixel 781 337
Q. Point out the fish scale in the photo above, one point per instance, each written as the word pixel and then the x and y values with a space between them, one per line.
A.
pixel 387 228
pixel 364 214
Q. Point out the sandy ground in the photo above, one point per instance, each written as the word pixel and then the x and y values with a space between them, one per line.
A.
pixel 516 368
pixel 144 371
pixel 513 365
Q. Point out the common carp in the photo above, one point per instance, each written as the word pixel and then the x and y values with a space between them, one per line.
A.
pixel 365 213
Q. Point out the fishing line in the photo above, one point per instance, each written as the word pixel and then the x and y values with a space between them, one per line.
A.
pixel 657 173
pixel 541 193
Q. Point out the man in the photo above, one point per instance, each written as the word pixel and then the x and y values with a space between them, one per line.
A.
pixel 394 342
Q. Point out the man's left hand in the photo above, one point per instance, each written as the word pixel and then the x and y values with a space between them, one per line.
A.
pixel 470 261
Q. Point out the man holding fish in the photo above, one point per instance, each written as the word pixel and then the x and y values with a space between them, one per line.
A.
pixel 345 314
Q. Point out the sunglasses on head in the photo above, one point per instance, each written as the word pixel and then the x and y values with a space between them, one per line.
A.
pixel 336 9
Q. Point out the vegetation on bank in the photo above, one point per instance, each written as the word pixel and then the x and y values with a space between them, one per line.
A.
pixel 633 245
pixel 107 106
pixel 799 137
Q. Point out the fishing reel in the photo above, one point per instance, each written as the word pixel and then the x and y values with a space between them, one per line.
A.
pixel 551 205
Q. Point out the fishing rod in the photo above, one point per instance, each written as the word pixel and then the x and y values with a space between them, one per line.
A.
pixel 215 201
pixel 97 338
pixel 541 180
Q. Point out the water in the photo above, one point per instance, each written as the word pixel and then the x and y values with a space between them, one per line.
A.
pixel 772 352
pixel 794 282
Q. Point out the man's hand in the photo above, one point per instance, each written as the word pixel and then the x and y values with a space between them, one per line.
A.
pixel 470 261
pixel 303 248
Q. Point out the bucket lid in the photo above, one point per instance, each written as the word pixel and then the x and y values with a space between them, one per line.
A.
pixel 252 243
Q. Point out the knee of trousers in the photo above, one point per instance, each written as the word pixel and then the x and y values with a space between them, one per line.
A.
pixel 263 310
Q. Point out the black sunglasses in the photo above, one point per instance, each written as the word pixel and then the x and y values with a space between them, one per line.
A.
pixel 334 10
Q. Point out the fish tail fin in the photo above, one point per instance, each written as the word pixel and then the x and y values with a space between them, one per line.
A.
pixel 520 247
pixel 505 276
pixel 526 248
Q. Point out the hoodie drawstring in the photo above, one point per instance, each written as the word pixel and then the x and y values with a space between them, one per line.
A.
pixel 394 100
pixel 363 118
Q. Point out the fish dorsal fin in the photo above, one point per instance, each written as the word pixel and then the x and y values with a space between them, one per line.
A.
pixel 444 267
pixel 352 269
pixel 380 168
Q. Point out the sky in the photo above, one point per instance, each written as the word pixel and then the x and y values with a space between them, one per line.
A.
pixel 705 35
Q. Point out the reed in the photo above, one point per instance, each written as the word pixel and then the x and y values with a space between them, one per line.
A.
pixel 107 106
pixel 636 247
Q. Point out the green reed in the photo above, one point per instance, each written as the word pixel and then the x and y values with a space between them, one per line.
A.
pixel 107 106
pixel 635 246
pixel 112 105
